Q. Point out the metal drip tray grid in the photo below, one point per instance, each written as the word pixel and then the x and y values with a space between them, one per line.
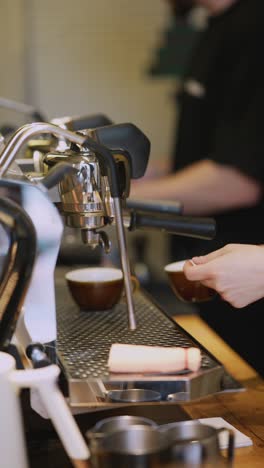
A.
pixel 85 338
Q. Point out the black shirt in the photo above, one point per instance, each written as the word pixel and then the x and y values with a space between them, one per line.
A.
pixel 222 107
pixel 222 120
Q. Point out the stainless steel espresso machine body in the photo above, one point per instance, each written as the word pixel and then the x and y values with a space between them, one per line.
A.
pixel 93 194
pixel 94 185
pixel 85 181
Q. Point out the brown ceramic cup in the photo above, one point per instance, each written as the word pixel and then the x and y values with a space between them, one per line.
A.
pixel 95 288
pixel 185 290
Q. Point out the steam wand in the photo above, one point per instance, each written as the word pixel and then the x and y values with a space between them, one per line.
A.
pixel 105 156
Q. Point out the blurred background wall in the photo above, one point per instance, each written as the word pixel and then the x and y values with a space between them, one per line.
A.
pixel 12 70
pixel 85 57
pixel 88 56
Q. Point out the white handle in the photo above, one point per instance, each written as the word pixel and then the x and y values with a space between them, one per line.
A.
pixel 64 422
pixel 45 381
pixel 12 442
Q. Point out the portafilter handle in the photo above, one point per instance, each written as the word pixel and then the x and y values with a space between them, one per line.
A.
pixel 187 226
pixel 160 207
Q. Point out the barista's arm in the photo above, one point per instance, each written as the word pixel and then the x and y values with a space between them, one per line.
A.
pixel 204 188
pixel 158 169
pixel 236 272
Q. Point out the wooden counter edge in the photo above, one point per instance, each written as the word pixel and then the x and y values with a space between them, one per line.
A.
pixel 234 364
pixel 245 410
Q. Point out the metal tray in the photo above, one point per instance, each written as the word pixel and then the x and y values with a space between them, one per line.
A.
pixel 84 341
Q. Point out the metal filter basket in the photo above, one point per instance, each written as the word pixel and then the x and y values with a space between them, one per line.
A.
pixel 84 341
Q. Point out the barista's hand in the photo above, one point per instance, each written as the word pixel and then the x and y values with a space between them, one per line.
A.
pixel 236 272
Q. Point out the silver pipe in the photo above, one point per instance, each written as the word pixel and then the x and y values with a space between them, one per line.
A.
pixel 23 134
pixel 125 263
pixel 2 142
pixel 17 106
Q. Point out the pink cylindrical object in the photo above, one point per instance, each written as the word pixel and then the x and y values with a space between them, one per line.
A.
pixel 125 358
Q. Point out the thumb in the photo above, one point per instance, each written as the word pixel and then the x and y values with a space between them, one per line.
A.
pixel 195 272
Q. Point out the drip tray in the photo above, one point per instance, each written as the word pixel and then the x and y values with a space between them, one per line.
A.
pixel 84 341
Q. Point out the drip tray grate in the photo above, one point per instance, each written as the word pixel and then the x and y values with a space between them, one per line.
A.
pixel 85 338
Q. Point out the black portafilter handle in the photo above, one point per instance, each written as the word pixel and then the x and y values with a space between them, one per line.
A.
pixel 187 226
pixel 126 139
pixel 90 121
pixel 36 353
pixel 167 207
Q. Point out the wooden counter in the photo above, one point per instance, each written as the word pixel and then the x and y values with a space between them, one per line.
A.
pixel 244 410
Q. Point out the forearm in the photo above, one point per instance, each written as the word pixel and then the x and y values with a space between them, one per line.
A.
pixel 204 188
pixel 160 168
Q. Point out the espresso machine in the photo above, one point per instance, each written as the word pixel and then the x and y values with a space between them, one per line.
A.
pixel 93 169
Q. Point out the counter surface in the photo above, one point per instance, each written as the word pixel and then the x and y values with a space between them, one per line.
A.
pixel 244 410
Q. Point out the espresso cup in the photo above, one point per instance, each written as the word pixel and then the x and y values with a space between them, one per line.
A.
pixel 95 288
pixel 185 290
